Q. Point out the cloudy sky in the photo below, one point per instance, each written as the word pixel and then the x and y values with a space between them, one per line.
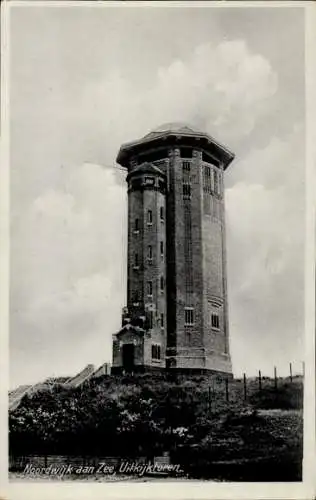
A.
pixel 84 80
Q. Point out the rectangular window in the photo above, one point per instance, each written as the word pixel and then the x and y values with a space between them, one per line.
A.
pixel 216 182
pixel 207 171
pixel 186 190
pixel 149 287
pixel 161 249
pixel 189 316
pixel 186 152
pixel 162 283
pixel 136 260
pixel 150 252
pixel 136 225
pixel 162 185
pixel 149 181
pixel 149 217
pixel 162 320
pixel 150 317
pixel 215 321
pixel 155 351
pixel 162 214
pixel 186 166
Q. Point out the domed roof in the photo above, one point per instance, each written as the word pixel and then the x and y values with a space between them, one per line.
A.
pixel 174 133
pixel 173 127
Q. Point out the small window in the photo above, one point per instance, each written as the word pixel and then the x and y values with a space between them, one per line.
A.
pixel 149 217
pixel 136 260
pixel 162 320
pixel 149 181
pixel 150 317
pixel 162 283
pixel 186 152
pixel 162 214
pixel 161 249
pixel 207 171
pixel 162 185
pixel 216 190
pixel 215 321
pixel 155 351
pixel 186 190
pixel 186 165
pixel 150 252
pixel 189 316
pixel 149 287
pixel 136 225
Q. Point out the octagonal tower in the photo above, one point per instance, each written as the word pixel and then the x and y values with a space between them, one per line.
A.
pixel 177 311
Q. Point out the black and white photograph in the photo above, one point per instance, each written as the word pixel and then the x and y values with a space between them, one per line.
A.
pixel 157 161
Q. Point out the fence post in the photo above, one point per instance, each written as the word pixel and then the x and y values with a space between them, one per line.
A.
pixel 291 375
pixel 209 399
pixel 226 388
pixel 260 383
pixel 275 378
pixel 245 387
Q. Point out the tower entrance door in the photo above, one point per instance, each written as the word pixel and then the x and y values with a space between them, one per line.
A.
pixel 128 354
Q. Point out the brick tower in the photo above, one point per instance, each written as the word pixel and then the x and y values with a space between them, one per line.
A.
pixel 177 312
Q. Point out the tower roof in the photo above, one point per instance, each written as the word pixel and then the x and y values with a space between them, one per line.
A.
pixel 176 133
pixel 173 127
pixel 146 168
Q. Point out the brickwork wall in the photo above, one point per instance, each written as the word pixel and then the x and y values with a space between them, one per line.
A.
pixel 116 353
pixel 135 245
pixel 155 269
pixel 189 273
pixel 177 300
pixel 224 253
pixel 193 265
pixel 149 236
pixel 214 263
pixel 171 224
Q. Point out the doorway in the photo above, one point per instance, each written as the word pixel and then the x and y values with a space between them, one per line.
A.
pixel 128 355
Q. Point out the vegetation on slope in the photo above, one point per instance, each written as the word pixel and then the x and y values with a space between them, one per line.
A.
pixel 147 415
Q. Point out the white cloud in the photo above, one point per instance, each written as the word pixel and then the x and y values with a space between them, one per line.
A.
pixel 224 89
pixel 265 230
pixel 68 283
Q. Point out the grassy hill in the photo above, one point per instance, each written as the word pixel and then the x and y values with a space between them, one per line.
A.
pixel 210 428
